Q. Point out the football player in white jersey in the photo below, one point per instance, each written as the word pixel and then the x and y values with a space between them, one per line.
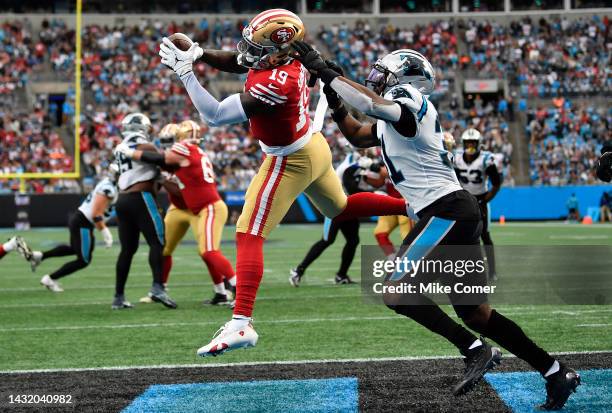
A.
pixel 410 136
pixel 137 210
pixel 475 168
pixel 95 210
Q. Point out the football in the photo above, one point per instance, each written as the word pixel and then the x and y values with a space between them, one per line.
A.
pixel 180 40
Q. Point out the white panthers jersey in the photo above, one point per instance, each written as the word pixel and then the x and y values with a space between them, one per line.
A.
pixel 420 167
pixel 107 188
pixel 472 176
pixel 131 171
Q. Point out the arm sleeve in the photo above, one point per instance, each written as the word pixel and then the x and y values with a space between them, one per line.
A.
pixel 216 113
pixel 364 103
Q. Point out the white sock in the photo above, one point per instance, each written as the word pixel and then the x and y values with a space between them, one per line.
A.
pixel 220 288
pixel 9 245
pixel 232 281
pixel 553 369
pixel 238 322
pixel 475 344
pixel 37 255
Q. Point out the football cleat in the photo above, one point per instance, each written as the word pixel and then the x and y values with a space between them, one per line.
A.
pixel 228 340
pixel 295 276
pixel 35 259
pixel 230 288
pixel 160 296
pixel 481 360
pixel 51 284
pixel 218 299
pixel 559 387
pixel 120 303
pixel 343 279
pixel 23 248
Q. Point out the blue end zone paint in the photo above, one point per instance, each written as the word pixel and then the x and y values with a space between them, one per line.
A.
pixel 306 208
pixel 523 392
pixel 317 395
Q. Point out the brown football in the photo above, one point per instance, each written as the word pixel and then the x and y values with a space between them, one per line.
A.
pixel 181 41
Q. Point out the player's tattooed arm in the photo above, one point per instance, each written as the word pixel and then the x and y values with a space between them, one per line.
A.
pixel 226 61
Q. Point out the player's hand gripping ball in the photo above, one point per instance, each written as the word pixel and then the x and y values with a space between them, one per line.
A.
pixel 172 55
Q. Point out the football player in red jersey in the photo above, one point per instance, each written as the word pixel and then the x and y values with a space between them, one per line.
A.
pixel 275 102
pixel 195 203
pixel 387 224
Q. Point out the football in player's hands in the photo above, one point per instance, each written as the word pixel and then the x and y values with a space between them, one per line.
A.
pixel 181 41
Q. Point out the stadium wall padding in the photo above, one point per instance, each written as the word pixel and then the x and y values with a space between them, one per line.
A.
pixel 54 210
pixel 543 202
pixel 518 203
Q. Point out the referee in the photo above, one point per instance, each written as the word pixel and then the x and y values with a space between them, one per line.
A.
pixel 138 212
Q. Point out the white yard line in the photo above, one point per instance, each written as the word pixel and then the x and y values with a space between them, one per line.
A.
pixel 275 363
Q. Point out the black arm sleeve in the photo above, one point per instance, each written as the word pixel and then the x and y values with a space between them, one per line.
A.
pixel 493 175
pixel 407 124
pixel 155 158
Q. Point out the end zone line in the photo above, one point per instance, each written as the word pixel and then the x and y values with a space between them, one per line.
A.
pixel 276 363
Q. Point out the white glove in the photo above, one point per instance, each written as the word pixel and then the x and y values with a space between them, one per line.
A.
pixel 124 149
pixel 108 237
pixel 179 61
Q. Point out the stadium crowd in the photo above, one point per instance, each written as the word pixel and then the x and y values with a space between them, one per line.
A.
pixel 565 141
pixel 121 73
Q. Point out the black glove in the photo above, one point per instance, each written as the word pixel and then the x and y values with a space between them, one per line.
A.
pixel 604 167
pixel 375 167
pixel 311 59
pixel 333 99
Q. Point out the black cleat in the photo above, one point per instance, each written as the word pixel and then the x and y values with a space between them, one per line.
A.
pixel 481 360
pixel 218 299
pixel 295 276
pixel 160 296
pixel 120 303
pixel 559 387
pixel 230 288
pixel 343 279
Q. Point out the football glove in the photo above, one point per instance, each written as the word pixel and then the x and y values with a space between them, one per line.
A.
pixel 604 167
pixel 124 150
pixel 108 237
pixel 333 100
pixel 179 61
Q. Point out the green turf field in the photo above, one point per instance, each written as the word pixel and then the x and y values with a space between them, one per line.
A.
pixel 319 320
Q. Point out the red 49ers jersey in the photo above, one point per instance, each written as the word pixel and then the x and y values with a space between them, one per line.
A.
pixel 196 181
pixel 285 89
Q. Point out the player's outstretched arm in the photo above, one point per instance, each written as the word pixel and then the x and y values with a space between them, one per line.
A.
pixel 224 60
